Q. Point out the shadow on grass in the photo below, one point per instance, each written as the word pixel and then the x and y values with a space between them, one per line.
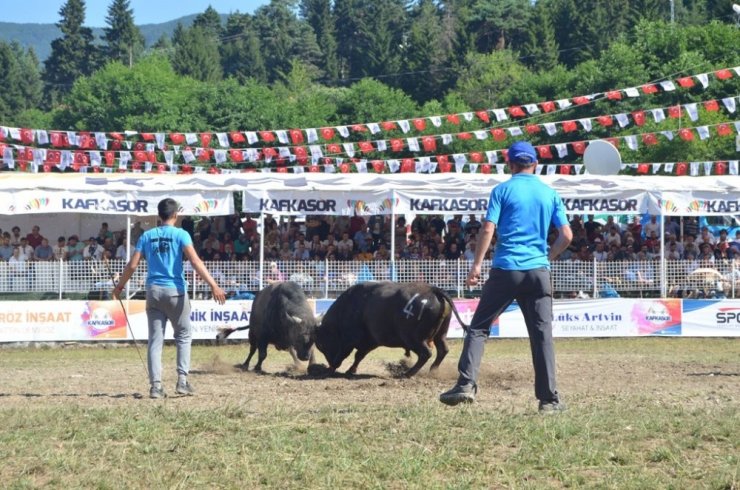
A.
pixel 134 395
pixel 714 373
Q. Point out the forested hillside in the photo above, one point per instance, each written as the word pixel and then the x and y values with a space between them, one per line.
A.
pixel 375 65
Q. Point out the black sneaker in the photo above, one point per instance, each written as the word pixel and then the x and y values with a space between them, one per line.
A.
pixel 459 394
pixel 184 388
pixel 547 408
pixel 156 393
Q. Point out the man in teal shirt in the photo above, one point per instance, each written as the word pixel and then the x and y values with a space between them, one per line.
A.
pixel 521 210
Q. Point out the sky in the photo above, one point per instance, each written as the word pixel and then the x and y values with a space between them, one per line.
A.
pixel 145 11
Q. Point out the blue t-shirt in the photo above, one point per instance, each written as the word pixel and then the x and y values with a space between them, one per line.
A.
pixel 522 209
pixel 162 248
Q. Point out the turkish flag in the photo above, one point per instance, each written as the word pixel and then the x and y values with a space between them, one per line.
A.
pixel 296 136
pixel 720 168
pixel 498 134
pixel 407 165
pixel 614 141
pixel 205 155
pixel 723 74
pixel 686 134
pixel 533 128
pixel 205 139
pixel 366 146
pixel 579 147
pixel 110 158
pixel 152 156
pixel 358 128
pixel 483 116
pixel 420 124
pixel 565 169
pixel 236 155
pixel 686 82
pixel 26 136
pixel 53 157
pixel 476 157
pixel 59 140
pixel 214 170
pixel 117 136
pixel 464 136
pixel 649 88
pixel 711 105
pixel 429 144
pixel 86 142
pixel 344 168
pixel 485 169
pixel 187 169
pixel 177 138
pixel 642 169
pixel 569 126
pixel 282 170
pixel 301 155
pixel 269 153
pixel 649 139
pixel 605 121
pixel 453 118
pixel 397 144
pixel 237 137
pixel 327 133
pixel 334 148
pixel 80 158
pixel 147 136
pixel 516 111
pixel 267 136
pixel 139 146
pixel 378 166
pixel 388 125
pixel 674 112
pixel 548 106
pixel 134 166
pixel 724 129
pixel 580 100
pixel 140 156
pixel 160 168
pixel 443 163
pixel 544 151
pixel 639 117
pixel 614 95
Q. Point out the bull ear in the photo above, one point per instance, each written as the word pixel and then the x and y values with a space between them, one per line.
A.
pixel 320 317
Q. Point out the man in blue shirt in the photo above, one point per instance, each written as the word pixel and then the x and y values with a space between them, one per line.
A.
pixel 521 210
pixel 163 248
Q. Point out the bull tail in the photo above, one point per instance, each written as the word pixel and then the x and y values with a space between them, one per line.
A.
pixel 445 297
pixel 225 332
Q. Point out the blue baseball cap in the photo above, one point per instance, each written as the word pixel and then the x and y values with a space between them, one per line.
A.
pixel 523 153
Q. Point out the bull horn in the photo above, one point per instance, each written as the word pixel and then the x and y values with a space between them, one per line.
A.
pixel 295 319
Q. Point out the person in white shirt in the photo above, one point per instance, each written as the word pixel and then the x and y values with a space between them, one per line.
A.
pixel 26 249
pixel 93 250
pixel 17 269
pixel 651 226
pixel 60 249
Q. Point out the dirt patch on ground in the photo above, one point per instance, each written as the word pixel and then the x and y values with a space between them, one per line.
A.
pixel 97 377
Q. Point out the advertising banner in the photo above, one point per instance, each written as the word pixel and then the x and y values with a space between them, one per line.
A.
pixel 698 203
pixel 604 318
pixel 711 318
pixel 290 202
pixel 207 203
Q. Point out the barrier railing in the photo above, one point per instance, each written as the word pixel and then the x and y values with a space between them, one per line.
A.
pixel 61 279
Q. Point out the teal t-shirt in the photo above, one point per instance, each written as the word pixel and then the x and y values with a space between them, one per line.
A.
pixel 162 248
pixel 522 209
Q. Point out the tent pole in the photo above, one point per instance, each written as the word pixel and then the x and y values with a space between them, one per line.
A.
pixel 663 279
pixel 262 248
pixel 128 254
pixel 393 235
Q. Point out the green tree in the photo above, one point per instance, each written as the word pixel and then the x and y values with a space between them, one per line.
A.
pixel 349 17
pixel 241 55
pixel 382 38
pixel 210 22
pixel 540 50
pixel 499 23
pixel 318 15
pixel 196 54
pixel 73 55
pixel 492 80
pixel 370 100
pixel 429 56
pixel 123 40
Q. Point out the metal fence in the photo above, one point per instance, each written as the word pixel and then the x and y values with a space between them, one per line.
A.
pixel 326 279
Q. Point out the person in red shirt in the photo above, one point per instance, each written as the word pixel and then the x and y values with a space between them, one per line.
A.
pixel 249 226
pixel 34 238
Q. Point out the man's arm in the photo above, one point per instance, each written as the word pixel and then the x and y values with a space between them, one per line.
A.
pixel 128 271
pixel 481 247
pixel 565 236
pixel 218 294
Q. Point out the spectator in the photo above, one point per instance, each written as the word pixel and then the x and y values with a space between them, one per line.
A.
pixel 600 252
pixel 356 223
pixel 469 254
pixel 689 246
pixel 26 249
pixel 346 242
pixel 104 233
pixel 690 226
pixel 673 253
pixel 74 249
pixel 188 225
pixel 706 257
pixel 672 227
pixel 249 225
pixel 228 253
pixel 363 240
pixel 44 252
pixel 301 252
pixel 136 232
pixel 109 246
pixel 706 236
pixel 612 237
pixel 635 228
pixel 17 269
pixel 382 253
pixel 652 226
pixel 60 249
pixel 437 224
pixel 121 252
pixel 420 224
pixel 473 225
pixel 15 238
pixel 592 228
pixel 376 226
pixel 241 247
pixel 611 224
pixel 274 274
pixel 452 252
pixel 34 238
pixel 93 250
pixel 344 253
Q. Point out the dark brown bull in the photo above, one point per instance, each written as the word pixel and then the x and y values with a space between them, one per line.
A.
pixel 389 314
pixel 280 316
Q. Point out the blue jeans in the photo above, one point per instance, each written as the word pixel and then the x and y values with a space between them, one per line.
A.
pixel 164 304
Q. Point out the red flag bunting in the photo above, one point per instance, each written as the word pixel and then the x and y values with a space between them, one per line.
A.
pixel 498 134
pixel 724 129
pixel 723 74
pixel 565 169
pixel 237 137
pixel 397 144
pixel 686 82
pixel 642 169
pixel 649 139
pixel 485 169
pixel 544 152
pixel 711 105
pixel 483 116
pixel 720 168
pixel 639 117
pixel 516 111
pixel 296 136
pixel 674 111
pixel 429 143
pixel 465 136
pixel 605 121
pixel 579 147
pixel 581 100
pixel 649 88
pixel 388 125
pixel 420 124
pixel 378 166
pixel 532 128
pixel 205 139
pixel 569 126
pixel 407 165
pixel 366 146
pixel 476 157
pixel 327 133
pixel 548 106
pixel 453 118
pixel 614 95
pixel 267 136
pixel 686 134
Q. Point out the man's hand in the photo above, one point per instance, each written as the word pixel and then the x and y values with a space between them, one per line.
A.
pixel 117 292
pixel 219 296
pixel 473 276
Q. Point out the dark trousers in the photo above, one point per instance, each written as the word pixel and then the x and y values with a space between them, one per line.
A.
pixel 533 292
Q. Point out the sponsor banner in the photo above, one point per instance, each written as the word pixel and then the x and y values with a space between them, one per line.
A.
pixel 698 203
pixel 290 202
pixel 476 201
pixel 604 318
pixel 40 321
pixel 466 308
pixel 711 318
pixel 208 203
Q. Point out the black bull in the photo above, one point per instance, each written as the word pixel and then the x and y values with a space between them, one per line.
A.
pixel 374 314
pixel 280 316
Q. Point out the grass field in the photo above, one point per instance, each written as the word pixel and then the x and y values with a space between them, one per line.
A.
pixel 643 413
